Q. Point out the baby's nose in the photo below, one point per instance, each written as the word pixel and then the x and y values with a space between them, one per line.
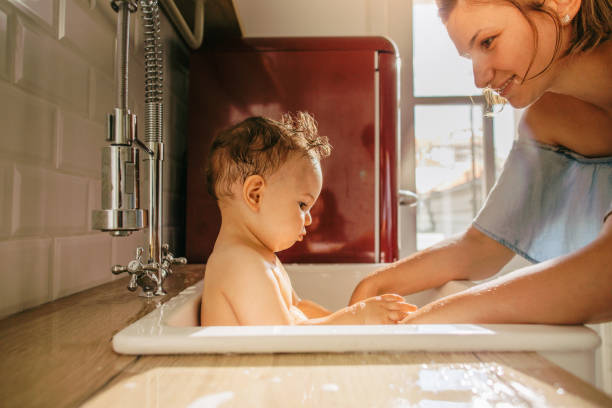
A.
pixel 308 219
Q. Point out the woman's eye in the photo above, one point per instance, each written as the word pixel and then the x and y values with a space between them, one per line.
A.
pixel 303 206
pixel 487 42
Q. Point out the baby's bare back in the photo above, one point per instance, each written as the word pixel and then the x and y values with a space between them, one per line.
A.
pixel 216 309
pixel 241 287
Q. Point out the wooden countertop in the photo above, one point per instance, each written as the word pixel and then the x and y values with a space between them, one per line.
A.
pixel 60 355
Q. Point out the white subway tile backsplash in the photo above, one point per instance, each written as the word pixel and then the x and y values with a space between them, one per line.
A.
pixel 28 126
pixel 48 202
pixel 81 262
pixel 103 100
pixel 84 29
pixel 25 274
pixel 4 43
pixel 47 67
pixel 29 199
pixel 44 12
pixel 66 209
pixel 95 199
pixel 6 199
pixel 80 145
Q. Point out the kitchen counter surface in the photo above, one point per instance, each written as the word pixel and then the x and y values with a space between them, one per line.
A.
pixel 60 355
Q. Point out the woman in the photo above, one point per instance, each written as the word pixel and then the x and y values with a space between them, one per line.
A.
pixel 552 199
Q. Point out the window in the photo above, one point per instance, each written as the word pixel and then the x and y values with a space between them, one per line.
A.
pixel 449 169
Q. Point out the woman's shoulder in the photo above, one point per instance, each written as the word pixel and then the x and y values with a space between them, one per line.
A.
pixel 561 120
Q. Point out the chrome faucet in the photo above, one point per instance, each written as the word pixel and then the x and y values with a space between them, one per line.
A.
pixel 120 214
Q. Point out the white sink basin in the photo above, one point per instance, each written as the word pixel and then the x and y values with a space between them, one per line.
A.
pixel 173 328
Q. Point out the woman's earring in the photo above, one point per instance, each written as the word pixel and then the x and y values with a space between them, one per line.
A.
pixel 565 19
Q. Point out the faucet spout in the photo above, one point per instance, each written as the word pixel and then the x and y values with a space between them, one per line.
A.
pixel 120 214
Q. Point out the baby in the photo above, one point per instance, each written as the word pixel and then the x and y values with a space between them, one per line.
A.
pixel 266 176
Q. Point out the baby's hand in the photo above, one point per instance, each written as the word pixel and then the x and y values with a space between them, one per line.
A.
pixel 384 309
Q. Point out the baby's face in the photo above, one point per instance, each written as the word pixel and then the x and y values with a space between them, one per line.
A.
pixel 289 195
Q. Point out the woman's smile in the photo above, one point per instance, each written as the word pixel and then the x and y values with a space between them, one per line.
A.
pixel 506 86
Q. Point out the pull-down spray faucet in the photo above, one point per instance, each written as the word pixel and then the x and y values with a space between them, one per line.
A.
pixel 120 214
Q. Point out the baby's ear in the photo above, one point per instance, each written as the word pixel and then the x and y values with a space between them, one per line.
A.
pixel 252 191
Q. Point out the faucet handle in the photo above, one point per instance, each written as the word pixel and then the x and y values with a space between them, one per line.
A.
pixel 139 252
pixel 135 270
pixel 135 266
pixel 180 260
pixel 117 269
pixel 172 260
pixel 133 285
pixel 165 249
pixel 168 258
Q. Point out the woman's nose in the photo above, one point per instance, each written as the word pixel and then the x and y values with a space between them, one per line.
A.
pixel 483 73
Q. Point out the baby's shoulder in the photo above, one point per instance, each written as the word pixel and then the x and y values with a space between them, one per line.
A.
pixel 240 273
pixel 236 262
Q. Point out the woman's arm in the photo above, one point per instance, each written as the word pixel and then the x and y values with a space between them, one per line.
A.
pixel 572 289
pixel 473 255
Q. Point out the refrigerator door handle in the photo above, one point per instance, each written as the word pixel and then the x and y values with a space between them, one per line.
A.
pixel 407 198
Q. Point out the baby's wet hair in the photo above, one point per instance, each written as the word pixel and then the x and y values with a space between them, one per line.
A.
pixel 260 145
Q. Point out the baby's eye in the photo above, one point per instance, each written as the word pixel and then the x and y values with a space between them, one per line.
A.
pixel 303 206
pixel 486 43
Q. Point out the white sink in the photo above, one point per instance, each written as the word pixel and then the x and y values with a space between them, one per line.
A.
pixel 173 328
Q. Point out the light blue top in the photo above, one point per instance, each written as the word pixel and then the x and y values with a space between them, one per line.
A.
pixel 548 201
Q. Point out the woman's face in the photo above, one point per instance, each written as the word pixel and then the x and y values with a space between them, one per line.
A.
pixel 501 44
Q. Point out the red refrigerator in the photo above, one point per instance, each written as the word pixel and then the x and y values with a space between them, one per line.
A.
pixel 351 86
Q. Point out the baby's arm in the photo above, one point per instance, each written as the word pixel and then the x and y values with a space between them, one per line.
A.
pixel 376 310
pixel 309 308
pixel 384 309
